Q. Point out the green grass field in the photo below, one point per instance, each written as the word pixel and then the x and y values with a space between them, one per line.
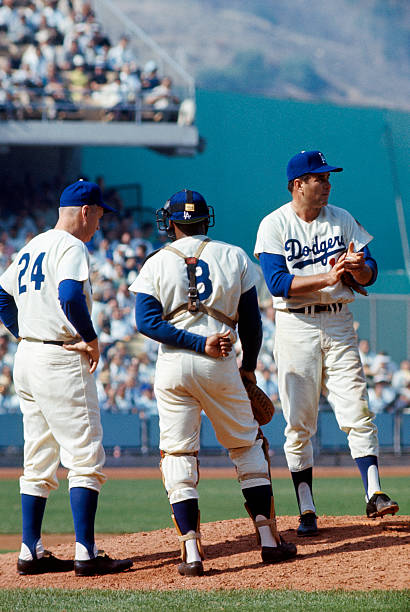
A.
pixel 144 506
pixel 55 600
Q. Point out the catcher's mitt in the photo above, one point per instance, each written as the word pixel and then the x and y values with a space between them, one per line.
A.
pixel 348 280
pixel 262 407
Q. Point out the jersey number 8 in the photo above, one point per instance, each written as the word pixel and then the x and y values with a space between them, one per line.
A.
pixel 203 281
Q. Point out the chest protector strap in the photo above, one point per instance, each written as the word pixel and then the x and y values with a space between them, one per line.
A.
pixel 194 305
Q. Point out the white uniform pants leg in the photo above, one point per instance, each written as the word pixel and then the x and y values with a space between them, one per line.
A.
pixel 61 418
pixel 346 384
pixel 298 358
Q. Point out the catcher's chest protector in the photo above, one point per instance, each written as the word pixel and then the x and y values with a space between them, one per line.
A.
pixel 193 305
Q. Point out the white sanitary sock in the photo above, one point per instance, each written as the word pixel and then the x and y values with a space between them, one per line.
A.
pixel 373 482
pixel 192 552
pixel 305 498
pixel 81 552
pixel 26 555
pixel 265 533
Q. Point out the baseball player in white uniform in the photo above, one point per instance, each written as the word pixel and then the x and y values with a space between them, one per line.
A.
pixel 45 301
pixel 304 248
pixel 191 295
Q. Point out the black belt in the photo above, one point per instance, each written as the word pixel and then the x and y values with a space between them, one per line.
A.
pixel 57 342
pixel 314 308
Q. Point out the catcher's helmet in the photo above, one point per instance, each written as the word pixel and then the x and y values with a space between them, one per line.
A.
pixel 185 206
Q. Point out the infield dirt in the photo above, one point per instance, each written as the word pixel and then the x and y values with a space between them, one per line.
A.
pixel 350 553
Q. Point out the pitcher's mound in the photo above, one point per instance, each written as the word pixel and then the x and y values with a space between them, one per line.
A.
pixel 350 553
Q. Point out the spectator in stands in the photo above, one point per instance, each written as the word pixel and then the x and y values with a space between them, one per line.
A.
pixel 55 18
pixel 402 403
pixel 267 383
pixel 121 399
pixel 78 80
pixel 21 31
pixel 383 366
pixel 7 14
pixel 401 378
pixel 110 403
pixel 147 404
pixel 98 78
pixel 163 101
pixel 126 300
pixel 367 357
pixel 62 105
pixel 65 59
pixel 121 326
pixel 37 62
pixel 381 395
pixel 149 76
pixel 120 54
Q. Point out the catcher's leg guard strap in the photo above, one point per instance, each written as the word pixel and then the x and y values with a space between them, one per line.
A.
pixel 251 465
pixel 271 521
pixel 180 475
pixel 191 535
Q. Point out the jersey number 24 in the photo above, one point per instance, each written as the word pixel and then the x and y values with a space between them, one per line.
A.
pixel 37 277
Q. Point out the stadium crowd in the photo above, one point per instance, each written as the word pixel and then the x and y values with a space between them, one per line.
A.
pixel 126 370
pixel 56 62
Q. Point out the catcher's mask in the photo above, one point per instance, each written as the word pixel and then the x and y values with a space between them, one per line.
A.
pixel 184 207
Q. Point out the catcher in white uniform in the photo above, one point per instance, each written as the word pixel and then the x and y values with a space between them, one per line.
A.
pixel 190 297
pixel 45 301
pixel 308 250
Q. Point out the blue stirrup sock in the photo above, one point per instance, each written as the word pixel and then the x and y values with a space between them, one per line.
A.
pixel 369 471
pixel 32 509
pixel 186 515
pixel 258 500
pixel 83 507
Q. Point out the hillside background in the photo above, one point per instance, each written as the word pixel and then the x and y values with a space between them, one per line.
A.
pixel 350 52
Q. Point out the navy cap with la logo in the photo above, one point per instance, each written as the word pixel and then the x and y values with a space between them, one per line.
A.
pixel 187 206
pixel 309 162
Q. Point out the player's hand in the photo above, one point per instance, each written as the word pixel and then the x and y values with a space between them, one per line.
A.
pixel 356 265
pixel 90 349
pixel 336 272
pixel 218 345
pixel 247 375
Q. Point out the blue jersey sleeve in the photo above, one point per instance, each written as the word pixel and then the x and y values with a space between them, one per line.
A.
pixel 276 274
pixel 74 305
pixel 149 321
pixel 249 328
pixel 371 262
pixel 8 312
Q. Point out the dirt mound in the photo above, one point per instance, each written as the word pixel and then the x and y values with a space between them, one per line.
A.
pixel 350 553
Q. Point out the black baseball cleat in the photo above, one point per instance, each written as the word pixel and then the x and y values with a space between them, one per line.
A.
pixel 195 568
pixel 380 504
pixel 307 525
pixel 276 554
pixel 100 565
pixel 46 564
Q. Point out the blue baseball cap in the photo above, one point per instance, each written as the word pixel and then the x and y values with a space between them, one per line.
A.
pixel 83 192
pixel 187 206
pixel 309 162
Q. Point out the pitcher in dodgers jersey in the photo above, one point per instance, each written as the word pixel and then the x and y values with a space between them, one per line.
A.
pixel 189 298
pixel 45 301
pixel 304 247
